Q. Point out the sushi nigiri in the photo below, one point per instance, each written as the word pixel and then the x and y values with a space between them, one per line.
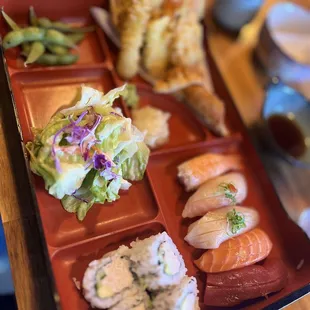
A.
pixel 220 225
pixel 238 252
pixel 200 169
pixel 229 189
pixel 229 288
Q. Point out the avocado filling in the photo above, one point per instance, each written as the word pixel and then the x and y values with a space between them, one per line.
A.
pixel 188 302
pixel 113 278
pixel 168 258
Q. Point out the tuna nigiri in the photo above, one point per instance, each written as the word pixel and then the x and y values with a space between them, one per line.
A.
pixel 220 225
pixel 230 288
pixel 238 252
pixel 200 169
pixel 225 190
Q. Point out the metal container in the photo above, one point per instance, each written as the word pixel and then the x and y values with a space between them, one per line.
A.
pixel 234 14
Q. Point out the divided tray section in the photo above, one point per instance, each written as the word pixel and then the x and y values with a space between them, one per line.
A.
pixel 70 263
pixel 38 95
pixel 183 126
pixel 92 50
pixel 172 197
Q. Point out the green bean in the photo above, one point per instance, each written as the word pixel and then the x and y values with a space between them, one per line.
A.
pixel 57 49
pixel 36 51
pixel 76 37
pixel 55 37
pixel 56 60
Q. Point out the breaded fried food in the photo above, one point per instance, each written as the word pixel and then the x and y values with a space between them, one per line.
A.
pixel 186 48
pixel 178 78
pixel 132 33
pixel 209 107
pixel 157 42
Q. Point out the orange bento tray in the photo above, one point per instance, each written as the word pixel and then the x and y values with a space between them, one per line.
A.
pixel 154 204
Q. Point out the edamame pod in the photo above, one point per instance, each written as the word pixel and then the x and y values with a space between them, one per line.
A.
pixel 33 16
pixel 55 37
pixel 17 37
pixel 10 21
pixel 56 60
pixel 33 34
pixel 63 27
pixel 25 46
pixel 76 37
pixel 44 23
pixel 57 49
pixel 36 51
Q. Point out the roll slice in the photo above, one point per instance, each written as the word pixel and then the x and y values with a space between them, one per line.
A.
pixel 157 262
pixel 180 297
pixel 108 279
pixel 135 299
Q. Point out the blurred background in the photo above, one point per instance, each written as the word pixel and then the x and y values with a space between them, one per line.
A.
pixel 7 298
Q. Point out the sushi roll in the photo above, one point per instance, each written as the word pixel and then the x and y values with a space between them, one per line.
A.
pixel 157 262
pixel 108 279
pixel 134 299
pixel 180 297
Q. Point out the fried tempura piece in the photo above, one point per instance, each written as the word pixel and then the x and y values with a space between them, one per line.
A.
pixel 156 51
pixel 132 33
pixel 209 107
pixel 178 78
pixel 196 6
pixel 187 41
pixel 117 8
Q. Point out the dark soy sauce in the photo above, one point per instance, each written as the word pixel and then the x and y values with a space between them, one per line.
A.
pixel 287 134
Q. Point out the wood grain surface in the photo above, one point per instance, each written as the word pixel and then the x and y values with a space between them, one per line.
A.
pixel 23 237
pixel 234 59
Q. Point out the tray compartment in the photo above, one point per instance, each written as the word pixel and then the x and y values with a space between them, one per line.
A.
pixel 163 177
pixel 92 50
pixel 38 95
pixel 184 128
pixel 72 262
pixel 55 90
pixel 134 207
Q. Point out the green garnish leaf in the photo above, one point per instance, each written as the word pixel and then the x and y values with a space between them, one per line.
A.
pixel 131 96
pixel 236 221
pixel 230 192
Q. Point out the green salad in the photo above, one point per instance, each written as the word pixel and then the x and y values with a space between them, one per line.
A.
pixel 87 153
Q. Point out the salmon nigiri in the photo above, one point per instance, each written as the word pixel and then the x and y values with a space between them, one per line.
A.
pixel 238 252
pixel 225 190
pixel 220 225
pixel 200 169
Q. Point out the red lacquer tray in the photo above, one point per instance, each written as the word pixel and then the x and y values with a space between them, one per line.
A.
pixel 156 203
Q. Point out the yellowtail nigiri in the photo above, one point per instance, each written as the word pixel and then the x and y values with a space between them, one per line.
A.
pixel 225 190
pixel 220 225
pixel 200 169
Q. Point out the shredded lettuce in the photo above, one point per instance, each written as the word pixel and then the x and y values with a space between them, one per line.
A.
pixel 88 152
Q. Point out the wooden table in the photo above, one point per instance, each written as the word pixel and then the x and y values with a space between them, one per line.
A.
pixel 19 219
pixel 234 59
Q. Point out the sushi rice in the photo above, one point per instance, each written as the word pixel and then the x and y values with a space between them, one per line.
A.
pixel 134 298
pixel 157 262
pixel 107 280
pixel 181 297
pixel 149 275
